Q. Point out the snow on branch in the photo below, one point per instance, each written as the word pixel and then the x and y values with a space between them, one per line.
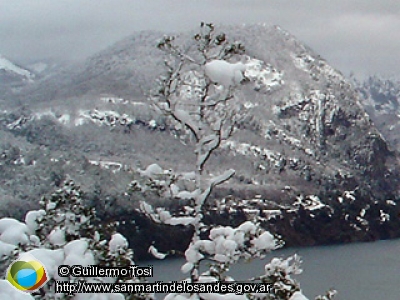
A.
pixel 154 251
pixel 185 119
pixel 225 73
pixel 222 178
pixel 202 198
pixel 226 245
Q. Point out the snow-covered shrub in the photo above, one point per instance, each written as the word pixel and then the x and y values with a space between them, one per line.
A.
pixel 65 231
pixel 197 93
pixel 63 217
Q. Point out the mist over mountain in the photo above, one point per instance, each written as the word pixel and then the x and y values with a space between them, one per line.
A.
pixel 12 77
pixel 304 147
pixel 380 97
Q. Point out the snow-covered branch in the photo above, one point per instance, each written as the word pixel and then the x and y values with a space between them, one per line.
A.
pixel 197 94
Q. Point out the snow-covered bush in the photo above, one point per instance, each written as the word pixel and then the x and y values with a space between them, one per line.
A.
pixel 65 231
pixel 197 93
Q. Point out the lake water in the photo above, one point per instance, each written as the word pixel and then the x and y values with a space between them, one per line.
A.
pixel 361 271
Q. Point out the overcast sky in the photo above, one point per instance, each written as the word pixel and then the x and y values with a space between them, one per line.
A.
pixel 360 35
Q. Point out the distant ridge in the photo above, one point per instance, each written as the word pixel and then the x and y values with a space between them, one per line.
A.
pixel 8 67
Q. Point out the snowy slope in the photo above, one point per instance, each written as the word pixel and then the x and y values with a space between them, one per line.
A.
pixel 381 98
pixel 12 69
pixel 303 139
pixel 300 120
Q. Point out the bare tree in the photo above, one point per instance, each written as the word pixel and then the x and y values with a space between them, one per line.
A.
pixel 196 98
pixel 197 94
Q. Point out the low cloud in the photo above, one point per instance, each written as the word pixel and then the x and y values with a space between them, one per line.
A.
pixel 360 35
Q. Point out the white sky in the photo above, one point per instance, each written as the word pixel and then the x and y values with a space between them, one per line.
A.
pixel 359 35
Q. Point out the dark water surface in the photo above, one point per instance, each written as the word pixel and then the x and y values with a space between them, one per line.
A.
pixel 361 271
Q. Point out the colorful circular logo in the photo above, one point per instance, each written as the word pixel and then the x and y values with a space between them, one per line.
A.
pixel 27 274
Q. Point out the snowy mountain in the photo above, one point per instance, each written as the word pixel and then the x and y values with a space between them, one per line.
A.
pixel 13 78
pixel 305 151
pixel 381 98
pixel 47 68
pixel 10 72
